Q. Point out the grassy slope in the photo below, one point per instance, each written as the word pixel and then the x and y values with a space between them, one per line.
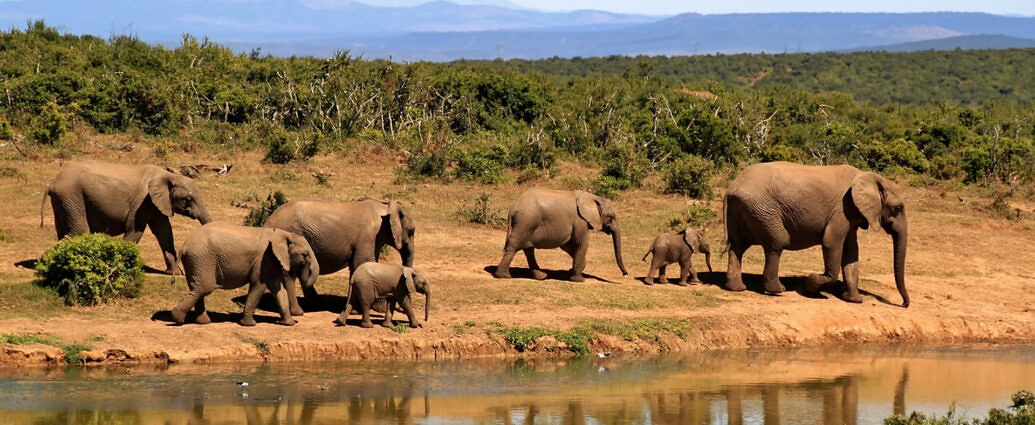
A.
pixel 967 274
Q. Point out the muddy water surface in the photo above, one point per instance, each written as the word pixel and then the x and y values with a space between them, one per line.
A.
pixel 847 385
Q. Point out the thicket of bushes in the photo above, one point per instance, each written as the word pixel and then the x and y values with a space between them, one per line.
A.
pixel 683 119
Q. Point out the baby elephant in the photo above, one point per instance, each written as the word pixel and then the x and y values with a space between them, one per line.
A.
pixel 374 281
pixel 670 248
pixel 227 256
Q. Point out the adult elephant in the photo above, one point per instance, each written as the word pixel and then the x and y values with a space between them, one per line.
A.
pixel 546 219
pixel 345 234
pixel 786 206
pixel 100 197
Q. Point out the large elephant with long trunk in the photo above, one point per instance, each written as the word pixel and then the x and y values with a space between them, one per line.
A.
pixel 346 234
pixel 116 199
pixel 546 219
pixel 786 206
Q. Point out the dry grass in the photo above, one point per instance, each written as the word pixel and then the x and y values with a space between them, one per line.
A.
pixel 955 247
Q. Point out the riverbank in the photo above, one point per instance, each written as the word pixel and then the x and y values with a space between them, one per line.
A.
pixel 967 270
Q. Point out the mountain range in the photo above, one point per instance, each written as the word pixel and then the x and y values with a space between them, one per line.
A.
pixel 408 30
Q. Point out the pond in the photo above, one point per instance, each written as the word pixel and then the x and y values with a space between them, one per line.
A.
pixel 844 385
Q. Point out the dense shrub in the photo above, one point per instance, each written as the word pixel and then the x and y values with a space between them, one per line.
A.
pixel 691 176
pixel 1020 412
pixel 50 125
pixel 427 165
pixel 283 148
pixel 483 165
pixel 92 268
pixel 482 212
pixel 5 130
pixel 257 216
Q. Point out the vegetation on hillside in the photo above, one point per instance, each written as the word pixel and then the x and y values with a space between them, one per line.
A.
pixel 962 115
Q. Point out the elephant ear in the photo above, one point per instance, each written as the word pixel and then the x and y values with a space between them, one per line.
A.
pixel 395 221
pixel 159 188
pixel 408 276
pixel 868 197
pixel 691 239
pixel 279 246
pixel 588 208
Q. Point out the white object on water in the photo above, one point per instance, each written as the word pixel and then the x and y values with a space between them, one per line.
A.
pixel 603 355
pixel 242 384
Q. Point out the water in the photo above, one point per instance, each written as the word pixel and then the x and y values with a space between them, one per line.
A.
pixel 856 385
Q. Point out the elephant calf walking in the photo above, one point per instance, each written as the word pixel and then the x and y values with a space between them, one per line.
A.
pixel 396 284
pixel 671 248
pixel 545 219
pixel 226 256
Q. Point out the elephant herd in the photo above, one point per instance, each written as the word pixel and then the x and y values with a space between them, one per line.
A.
pixel 777 205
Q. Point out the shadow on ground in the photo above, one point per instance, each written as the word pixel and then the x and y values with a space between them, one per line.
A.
pixel 526 273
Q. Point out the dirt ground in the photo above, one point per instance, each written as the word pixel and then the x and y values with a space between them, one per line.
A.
pixel 968 275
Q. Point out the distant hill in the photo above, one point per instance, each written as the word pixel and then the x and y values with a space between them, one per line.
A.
pixel 965 42
pixel 444 31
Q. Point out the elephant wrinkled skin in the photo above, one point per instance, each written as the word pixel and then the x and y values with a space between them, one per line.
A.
pixel 99 197
pixel 670 248
pixel 390 282
pixel 546 219
pixel 346 234
pixel 786 206
pixel 227 256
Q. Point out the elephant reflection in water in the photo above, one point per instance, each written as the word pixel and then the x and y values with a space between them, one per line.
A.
pixel 689 408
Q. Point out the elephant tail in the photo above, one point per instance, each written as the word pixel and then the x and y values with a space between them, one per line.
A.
pixel 725 223
pixel 649 251
pixel 43 204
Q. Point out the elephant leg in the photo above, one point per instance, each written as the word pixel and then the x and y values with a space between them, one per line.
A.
pixel 533 265
pixel 163 232
pixel 407 307
pixel 650 278
pixel 365 311
pixel 661 274
pixel 389 310
pixel 850 269
pixel 195 296
pixel 734 281
pixel 579 261
pixel 832 260
pixel 503 269
pixel 283 304
pixel 687 270
pixel 292 297
pixel 771 271
pixel 202 314
pixel 255 291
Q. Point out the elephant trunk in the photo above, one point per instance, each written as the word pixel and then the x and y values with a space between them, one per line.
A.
pixel 899 238
pixel 708 260
pixel 616 239
pixel 427 302
pixel 204 218
pixel 406 252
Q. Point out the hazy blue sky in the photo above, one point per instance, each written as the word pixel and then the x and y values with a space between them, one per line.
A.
pixel 669 7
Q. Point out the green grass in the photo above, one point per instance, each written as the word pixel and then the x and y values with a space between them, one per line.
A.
pixel 579 339
pixel 261 345
pixel 1020 412
pixel 98 337
pixel 73 351
pixel 399 328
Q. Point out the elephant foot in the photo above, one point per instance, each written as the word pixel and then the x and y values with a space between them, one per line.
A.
pixel 648 282
pixel 815 281
pixel 297 312
pixel 173 271
pixel 695 281
pixel 366 324
pixel 179 316
pixel 203 319
pixel 774 286
pixel 287 321
pixel 852 298
pixel 736 285
pixel 577 278
pixel 340 320
pixel 387 323
pixel 247 321
pixel 681 283
pixel 416 324
pixel 538 274
pixel 501 274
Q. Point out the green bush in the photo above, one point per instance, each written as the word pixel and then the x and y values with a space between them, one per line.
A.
pixel 883 155
pixel 257 216
pixel 481 212
pixel 691 176
pixel 283 148
pixel 5 130
pixel 426 165
pixel 92 268
pixel 49 125
pixel 1020 412
pixel 484 165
